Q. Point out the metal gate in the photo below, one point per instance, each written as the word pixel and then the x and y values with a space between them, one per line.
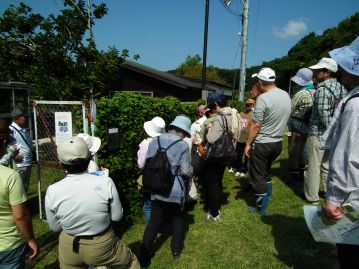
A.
pixel 48 168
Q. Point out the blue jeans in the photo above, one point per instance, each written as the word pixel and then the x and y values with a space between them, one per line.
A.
pixel 147 209
pixel 13 259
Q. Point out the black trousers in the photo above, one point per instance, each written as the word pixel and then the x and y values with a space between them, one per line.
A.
pixel 239 164
pixel 260 163
pixel 213 175
pixel 348 256
pixel 159 211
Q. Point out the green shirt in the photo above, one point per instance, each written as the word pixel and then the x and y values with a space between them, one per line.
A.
pixel 11 193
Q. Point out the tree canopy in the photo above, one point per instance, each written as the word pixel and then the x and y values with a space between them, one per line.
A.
pixel 57 54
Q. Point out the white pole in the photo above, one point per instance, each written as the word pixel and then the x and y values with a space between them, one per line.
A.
pixel 242 75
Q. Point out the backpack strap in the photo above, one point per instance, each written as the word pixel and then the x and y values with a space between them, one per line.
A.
pixel 159 144
pixel 12 127
pixel 345 103
pixel 224 121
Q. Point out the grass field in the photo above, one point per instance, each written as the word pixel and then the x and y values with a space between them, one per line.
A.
pixel 242 240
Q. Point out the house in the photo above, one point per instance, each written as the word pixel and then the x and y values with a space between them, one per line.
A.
pixel 135 77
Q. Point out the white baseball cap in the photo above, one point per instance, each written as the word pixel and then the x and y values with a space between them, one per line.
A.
pixel 93 143
pixel 303 77
pixel 326 63
pixel 155 127
pixel 265 74
pixel 71 149
pixel 348 57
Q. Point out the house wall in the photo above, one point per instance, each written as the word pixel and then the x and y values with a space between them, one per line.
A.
pixel 132 81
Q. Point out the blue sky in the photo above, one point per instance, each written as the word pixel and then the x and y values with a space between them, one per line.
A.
pixel 164 33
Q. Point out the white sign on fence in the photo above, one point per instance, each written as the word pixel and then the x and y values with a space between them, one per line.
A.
pixel 63 126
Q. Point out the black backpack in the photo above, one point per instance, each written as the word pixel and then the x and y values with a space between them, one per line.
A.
pixel 157 174
pixel 223 150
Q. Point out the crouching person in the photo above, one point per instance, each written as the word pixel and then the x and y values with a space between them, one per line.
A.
pixel 83 205
pixel 171 205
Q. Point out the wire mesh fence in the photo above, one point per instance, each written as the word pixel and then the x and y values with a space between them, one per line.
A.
pixel 48 168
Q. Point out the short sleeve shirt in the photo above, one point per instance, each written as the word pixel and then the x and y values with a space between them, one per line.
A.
pixel 11 193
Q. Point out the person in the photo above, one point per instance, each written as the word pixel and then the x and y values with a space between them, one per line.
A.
pixel 239 166
pixel 298 124
pixel 93 143
pixel 213 171
pixel 17 236
pixel 341 138
pixel 264 143
pixel 71 204
pixel 172 206
pixel 153 128
pixel 196 159
pixel 8 159
pixel 325 99
pixel 22 139
pixel 255 92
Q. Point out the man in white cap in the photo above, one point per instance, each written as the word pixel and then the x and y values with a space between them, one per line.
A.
pixel 298 124
pixel 264 143
pixel 326 98
pixel 82 206
pixel 342 139
pixel 21 138
pixel 172 205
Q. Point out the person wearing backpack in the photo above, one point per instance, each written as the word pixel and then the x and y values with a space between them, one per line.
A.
pixel 329 92
pixel 302 103
pixel 264 143
pixel 214 167
pixel 169 204
pixel 341 138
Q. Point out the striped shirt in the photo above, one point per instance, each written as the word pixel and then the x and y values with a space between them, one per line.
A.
pixel 301 103
pixel 324 105
pixel 343 176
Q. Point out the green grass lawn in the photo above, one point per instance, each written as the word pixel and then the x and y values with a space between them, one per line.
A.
pixel 242 240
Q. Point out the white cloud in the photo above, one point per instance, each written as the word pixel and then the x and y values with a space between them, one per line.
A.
pixel 292 29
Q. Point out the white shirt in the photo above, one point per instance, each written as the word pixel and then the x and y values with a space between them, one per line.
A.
pixel 25 143
pixel 82 204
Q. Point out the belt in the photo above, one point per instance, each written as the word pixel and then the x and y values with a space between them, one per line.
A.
pixel 75 243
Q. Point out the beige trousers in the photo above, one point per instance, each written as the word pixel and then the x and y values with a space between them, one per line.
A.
pixel 104 250
pixel 316 170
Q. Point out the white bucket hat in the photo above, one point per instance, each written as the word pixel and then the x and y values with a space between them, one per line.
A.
pixel 265 74
pixel 326 63
pixel 71 149
pixel 348 57
pixel 303 77
pixel 155 127
pixel 93 143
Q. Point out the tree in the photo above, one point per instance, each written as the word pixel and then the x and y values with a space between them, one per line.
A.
pixel 192 68
pixel 57 54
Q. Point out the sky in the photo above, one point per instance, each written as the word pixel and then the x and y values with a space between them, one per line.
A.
pixel 164 33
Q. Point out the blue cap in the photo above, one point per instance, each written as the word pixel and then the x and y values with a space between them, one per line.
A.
pixel 213 97
pixel 348 57
pixel 184 123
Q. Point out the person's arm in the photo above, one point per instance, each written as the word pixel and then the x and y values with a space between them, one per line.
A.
pixel 321 100
pixel 22 219
pixel 52 220
pixel 116 210
pixel 141 154
pixel 185 164
pixel 342 178
pixel 253 132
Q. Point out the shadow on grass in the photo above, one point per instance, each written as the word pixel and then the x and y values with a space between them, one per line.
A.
pixel 295 245
pixel 47 243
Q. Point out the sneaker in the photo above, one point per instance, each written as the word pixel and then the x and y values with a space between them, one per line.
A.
pixel 231 170
pixel 209 217
pixel 237 174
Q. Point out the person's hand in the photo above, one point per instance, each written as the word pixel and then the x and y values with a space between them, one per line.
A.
pixel 33 249
pixel 247 151
pixel 332 211
pixel 18 158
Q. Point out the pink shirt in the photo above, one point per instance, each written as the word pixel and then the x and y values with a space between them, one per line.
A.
pixel 142 152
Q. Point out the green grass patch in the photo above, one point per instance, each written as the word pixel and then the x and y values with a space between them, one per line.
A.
pixel 242 240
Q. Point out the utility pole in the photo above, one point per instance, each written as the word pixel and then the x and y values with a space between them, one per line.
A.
pixel 242 74
pixel 204 63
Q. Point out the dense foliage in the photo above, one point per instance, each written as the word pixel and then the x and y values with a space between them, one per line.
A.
pixel 128 112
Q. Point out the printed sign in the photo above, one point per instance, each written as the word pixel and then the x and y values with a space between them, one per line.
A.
pixel 63 126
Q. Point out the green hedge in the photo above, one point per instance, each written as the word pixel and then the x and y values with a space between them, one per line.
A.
pixel 129 111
